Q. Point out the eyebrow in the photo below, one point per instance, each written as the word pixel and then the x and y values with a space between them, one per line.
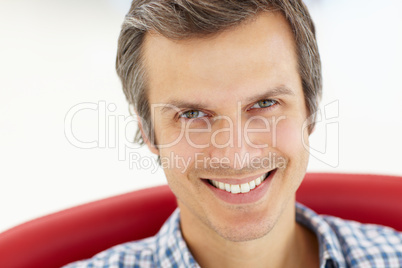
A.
pixel 180 104
pixel 270 93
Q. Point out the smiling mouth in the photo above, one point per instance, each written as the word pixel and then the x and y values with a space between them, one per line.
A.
pixel 240 188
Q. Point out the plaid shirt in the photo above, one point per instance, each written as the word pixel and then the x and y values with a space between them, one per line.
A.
pixel 342 244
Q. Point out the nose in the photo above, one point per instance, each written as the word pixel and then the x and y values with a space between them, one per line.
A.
pixel 232 145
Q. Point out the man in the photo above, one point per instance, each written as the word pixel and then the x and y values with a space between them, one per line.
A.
pixel 231 87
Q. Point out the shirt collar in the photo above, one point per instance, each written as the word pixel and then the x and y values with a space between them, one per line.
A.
pixel 171 246
pixel 330 249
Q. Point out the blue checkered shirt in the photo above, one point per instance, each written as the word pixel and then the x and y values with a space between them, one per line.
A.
pixel 342 244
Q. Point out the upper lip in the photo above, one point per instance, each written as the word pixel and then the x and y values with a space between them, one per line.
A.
pixel 237 181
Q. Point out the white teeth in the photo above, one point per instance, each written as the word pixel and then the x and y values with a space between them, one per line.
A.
pixel 227 187
pixel 235 189
pixel 239 188
pixel 245 188
pixel 221 186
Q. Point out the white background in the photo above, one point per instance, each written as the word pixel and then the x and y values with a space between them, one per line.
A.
pixel 55 55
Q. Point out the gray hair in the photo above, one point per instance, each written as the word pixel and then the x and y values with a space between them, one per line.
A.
pixel 181 19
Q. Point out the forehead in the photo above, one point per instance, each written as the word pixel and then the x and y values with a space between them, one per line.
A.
pixel 255 55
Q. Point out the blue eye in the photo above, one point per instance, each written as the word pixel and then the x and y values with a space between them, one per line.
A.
pixel 264 104
pixel 191 114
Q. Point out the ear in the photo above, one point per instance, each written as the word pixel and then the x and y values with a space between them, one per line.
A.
pixel 312 130
pixel 151 146
pixel 311 120
pixel 313 117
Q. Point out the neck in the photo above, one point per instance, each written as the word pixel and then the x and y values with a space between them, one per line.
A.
pixel 286 245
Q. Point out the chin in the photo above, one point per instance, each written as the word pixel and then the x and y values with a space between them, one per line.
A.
pixel 245 233
pixel 245 228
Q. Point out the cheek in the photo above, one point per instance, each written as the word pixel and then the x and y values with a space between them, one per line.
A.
pixel 169 136
pixel 177 156
pixel 194 135
pixel 290 137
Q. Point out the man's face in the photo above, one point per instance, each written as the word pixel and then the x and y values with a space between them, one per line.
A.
pixel 229 108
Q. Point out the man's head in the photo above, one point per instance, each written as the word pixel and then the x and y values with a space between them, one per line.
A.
pixel 226 87
pixel 184 19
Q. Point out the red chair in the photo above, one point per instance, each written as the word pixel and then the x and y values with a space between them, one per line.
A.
pixel 82 231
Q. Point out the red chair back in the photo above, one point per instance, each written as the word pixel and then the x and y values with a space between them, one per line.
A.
pixel 81 232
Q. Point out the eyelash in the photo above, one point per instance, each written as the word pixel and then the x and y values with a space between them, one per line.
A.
pixel 274 103
pixel 181 115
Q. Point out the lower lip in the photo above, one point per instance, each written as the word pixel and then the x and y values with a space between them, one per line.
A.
pixel 242 198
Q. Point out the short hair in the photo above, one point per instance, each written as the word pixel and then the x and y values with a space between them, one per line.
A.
pixel 183 19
